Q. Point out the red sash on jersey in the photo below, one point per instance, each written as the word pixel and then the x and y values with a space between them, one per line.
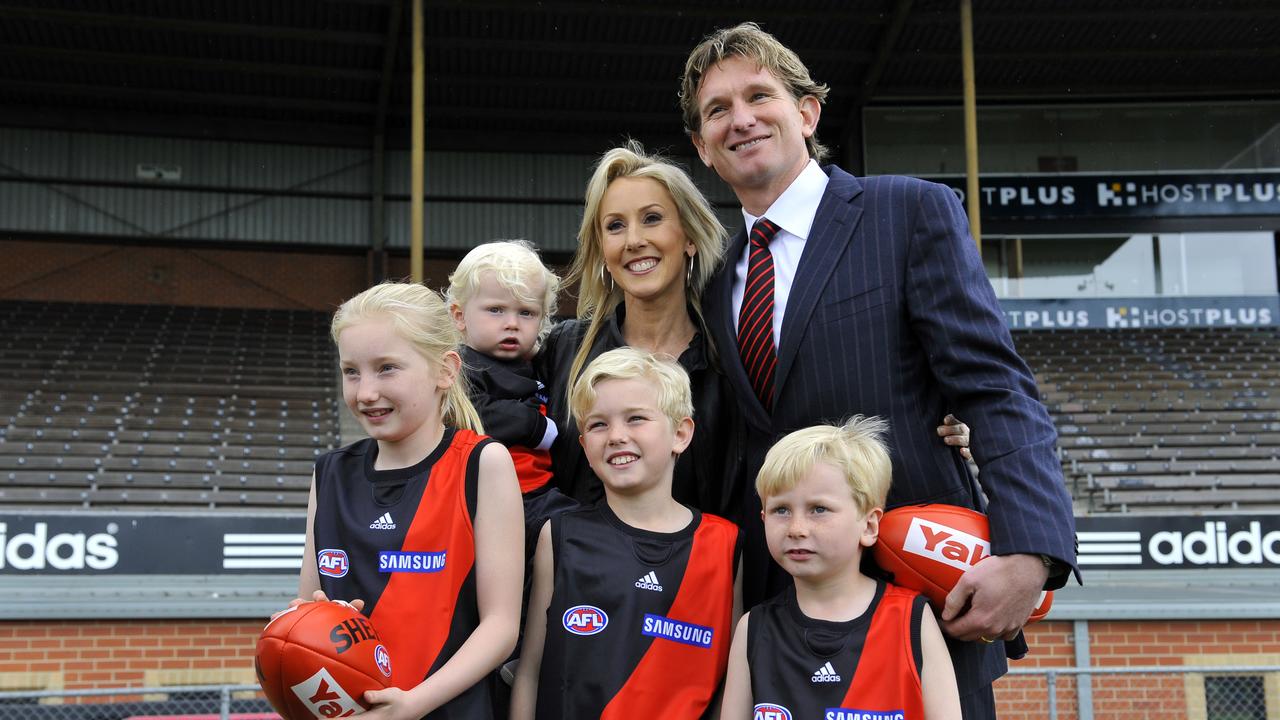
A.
pixel 889 636
pixel 674 680
pixel 415 611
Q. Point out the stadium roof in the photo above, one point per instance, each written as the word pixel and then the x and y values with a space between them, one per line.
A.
pixel 576 75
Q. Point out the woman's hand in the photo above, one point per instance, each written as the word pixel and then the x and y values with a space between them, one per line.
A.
pixel 956 434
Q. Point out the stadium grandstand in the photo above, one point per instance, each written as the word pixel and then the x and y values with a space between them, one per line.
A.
pixel 188 190
pixel 1163 420
pixel 152 407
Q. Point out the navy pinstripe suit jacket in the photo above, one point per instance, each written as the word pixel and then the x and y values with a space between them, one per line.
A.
pixel 892 314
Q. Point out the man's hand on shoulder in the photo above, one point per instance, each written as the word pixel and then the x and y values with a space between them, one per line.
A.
pixel 994 598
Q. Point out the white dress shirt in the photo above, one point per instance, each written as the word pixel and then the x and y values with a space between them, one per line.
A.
pixel 793 212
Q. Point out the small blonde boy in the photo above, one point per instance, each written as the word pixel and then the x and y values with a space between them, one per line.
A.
pixel 502 298
pixel 632 598
pixel 840 644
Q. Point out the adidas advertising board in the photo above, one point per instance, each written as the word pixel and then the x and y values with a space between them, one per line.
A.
pixel 1150 543
pixel 136 544
pixel 117 543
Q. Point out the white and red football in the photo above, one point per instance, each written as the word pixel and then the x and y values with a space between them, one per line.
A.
pixel 928 548
pixel 316 660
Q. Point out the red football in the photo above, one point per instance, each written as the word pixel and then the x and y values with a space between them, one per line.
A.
pixel 928 548
pixel 317 660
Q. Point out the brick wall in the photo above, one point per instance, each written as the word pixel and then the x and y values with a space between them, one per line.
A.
pixel 75 654
pixel 116 653
pixel 1170 696
pixel 287 278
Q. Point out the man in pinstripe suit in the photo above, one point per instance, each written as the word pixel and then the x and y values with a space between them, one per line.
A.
pixel 880 306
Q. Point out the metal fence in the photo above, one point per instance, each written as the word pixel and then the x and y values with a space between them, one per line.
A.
pixel 1226 692
pixel 188 702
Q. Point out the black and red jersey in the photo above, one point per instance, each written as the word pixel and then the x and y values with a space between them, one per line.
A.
pixel 867 668
pixel 639 623
pixel 512 405
pixel 403 540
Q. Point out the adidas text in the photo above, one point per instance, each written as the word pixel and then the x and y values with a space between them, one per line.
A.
pixel 825 674
pixel 383 523
pixel 649 582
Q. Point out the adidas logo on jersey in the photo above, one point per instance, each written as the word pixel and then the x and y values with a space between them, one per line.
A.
pixel 649 582
pixel 825 674
pixel 383 523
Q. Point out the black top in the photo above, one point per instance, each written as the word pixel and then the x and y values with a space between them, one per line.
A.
pixel 811 667
pixel 403 540
pixel 639 621
pixel 707 473
pixel 508 398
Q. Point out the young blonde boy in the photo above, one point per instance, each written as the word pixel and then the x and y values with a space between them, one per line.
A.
pixel 502 298
pixel 838 644
pixel 632 598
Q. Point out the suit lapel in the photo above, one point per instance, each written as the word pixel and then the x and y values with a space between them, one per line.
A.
pixel 832 231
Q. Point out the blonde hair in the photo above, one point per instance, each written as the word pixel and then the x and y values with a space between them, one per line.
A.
pixel 670 381
pixel 856 449
pixel 516 266
pixel 598 302
pixel 748 41
pixel 420 316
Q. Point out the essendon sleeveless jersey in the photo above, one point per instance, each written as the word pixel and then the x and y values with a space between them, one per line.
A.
pixel 865 669
pixel 403 541
pixel 640 622
pixel 533 467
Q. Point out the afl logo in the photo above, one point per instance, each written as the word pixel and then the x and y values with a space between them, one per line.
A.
pixel 769 711
pixel 584 620
pixel 383 659
pixel 332 563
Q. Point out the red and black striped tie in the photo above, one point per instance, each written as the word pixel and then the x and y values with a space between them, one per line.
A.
pixel 755 319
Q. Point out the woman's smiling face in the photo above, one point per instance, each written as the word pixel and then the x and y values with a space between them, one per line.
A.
pixel 644 244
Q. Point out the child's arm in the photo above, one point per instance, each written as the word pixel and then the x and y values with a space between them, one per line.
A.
pixel 736 701
pixel 499 533
pixel 515 422
pixel 524 692
pixel 937 677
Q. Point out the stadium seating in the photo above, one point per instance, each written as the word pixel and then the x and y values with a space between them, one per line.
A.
pixel 120 406
pixel 1163 420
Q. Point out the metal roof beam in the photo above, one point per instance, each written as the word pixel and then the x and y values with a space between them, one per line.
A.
pixel 553 83
pixel 1064 95
pixel 392 40
pixel 1266 10
pixel 197 27
pixel 1163 53
pixel 553 47
pixel 730 15
pixel 187 63
pixel 884 51
pixel 112 92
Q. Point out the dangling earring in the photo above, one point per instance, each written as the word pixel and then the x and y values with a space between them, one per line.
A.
pixel 688 273
pixel 603 273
